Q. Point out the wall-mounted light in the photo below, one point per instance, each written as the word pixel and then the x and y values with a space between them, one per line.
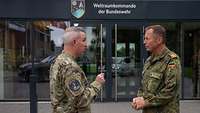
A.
pixel 76 24
pixel 190 34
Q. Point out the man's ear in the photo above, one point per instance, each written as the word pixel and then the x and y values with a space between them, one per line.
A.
pixel 160 40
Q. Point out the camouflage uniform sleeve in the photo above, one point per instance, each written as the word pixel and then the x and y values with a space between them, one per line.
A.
pixel 170 89
pixel 140 92
pixel 89 94
pixel 78 91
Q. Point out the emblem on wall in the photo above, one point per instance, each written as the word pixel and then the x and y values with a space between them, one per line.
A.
pixel 78 8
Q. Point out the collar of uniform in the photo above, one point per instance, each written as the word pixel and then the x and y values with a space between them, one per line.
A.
pixel 67 55
pixel 159 56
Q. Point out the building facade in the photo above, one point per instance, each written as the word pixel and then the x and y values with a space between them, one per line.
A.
pixel 115 31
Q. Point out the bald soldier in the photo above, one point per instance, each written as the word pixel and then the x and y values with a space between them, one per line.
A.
pixel 161 74
pixel 70 91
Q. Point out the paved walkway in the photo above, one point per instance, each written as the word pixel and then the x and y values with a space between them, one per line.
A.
pixel 187 106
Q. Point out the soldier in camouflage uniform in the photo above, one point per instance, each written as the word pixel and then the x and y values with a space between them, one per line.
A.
pixel 159 92
pixel 69 88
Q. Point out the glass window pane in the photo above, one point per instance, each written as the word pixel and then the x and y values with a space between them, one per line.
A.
pixel 191 70
pixel 14 47
pixel 50 45
pixel 48 39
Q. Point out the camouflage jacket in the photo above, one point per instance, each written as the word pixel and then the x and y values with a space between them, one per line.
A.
pixel 161 83
pixel 69 88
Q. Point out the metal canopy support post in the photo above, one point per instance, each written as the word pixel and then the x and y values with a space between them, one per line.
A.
pixel 33 77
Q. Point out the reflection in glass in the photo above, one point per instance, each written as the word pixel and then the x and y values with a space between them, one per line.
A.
pixel 91 61
pixel 125 64
pixel 191 68
pixel 13 51
pixel 15 56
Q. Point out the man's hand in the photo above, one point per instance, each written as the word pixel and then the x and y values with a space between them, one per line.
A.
pixel 100 78
pixel 138 103
pixel 134 105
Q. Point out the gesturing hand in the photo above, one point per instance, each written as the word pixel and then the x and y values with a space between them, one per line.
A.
pixel 138 103
pixel 100 78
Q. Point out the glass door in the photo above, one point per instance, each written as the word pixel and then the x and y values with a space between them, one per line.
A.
pixel 93 61
pixel 126 61
pixel 116 50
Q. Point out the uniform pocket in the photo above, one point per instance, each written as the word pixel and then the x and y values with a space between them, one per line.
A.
pixel 154 81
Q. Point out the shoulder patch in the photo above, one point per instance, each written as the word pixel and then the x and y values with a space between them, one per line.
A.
pixel 172 64
pixel 173 55
pixel 74 85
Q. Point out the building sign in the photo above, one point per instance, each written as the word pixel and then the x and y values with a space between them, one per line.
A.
pixel 114 8
pixel 108 9
pixel 77 8
pixel 140 10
